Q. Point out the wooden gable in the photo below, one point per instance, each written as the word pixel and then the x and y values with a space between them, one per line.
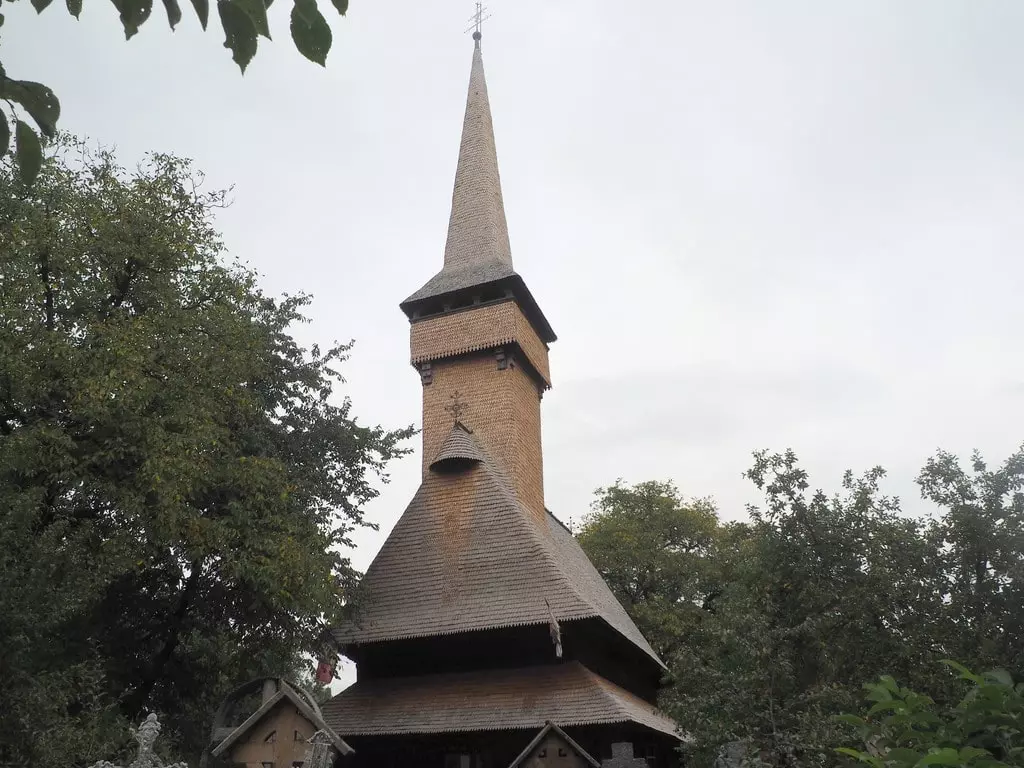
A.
pixel 552 748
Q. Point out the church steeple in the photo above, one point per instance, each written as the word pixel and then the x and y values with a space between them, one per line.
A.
pixel 481 621
pixel 477 254
pixel 475 326
pixel 477 230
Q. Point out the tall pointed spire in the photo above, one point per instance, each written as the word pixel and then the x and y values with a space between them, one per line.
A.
pixel 477 230
pixel 477 255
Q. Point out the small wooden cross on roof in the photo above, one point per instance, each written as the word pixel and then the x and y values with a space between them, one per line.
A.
pixel 457 406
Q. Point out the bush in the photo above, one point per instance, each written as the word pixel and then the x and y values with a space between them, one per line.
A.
pixel 904 729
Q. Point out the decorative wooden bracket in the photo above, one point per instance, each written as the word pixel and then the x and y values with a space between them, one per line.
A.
pixel 426 373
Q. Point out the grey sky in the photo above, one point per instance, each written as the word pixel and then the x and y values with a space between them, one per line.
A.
pixel 752 224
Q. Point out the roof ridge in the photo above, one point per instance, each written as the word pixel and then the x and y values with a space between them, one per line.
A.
pixel 290 693
pixel 547 549
pixel 541 542
pixel 558 520
pixel 577 587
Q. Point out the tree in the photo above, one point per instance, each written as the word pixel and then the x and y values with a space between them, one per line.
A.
pixel 243 23
pixel 769 627
pixel 906 729
pixel 657 553
pixel 177 478
pixel 836 590
pixel 979 545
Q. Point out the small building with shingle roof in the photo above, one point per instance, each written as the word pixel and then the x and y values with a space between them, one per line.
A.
pixel 482 623
pixel 277 733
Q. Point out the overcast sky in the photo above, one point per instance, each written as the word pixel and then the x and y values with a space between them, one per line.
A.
pixel 752 224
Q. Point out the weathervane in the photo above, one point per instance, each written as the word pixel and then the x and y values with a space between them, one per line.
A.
pixel 477 21
pixel 457 407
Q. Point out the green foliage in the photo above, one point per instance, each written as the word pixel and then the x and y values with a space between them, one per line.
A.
pixel 178 479
pixel 905 729
pixel 978 543
pixel 769 628
pixel 242 21
pixel 655 550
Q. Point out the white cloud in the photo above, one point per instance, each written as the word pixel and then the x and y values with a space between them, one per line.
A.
pixel 752 224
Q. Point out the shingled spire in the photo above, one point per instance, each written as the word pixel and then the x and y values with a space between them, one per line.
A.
pixel 477 253
pixel 477 231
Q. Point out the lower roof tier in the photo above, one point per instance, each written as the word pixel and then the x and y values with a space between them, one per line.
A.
pixel 566 694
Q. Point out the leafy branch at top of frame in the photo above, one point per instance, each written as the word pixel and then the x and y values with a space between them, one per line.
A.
pixel 243 23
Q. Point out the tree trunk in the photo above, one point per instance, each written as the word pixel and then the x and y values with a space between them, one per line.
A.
pixel 137 699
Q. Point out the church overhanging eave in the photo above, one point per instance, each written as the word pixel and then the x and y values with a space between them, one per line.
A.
pixel 344 644
pixel 347 645
pixel 511 287
pixel 521 356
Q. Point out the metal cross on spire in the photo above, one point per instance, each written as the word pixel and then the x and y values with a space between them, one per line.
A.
pixel 480 15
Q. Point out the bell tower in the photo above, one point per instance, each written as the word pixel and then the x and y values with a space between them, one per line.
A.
pixel 481 631
pixel 478 338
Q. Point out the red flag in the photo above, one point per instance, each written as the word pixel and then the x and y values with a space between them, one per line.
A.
pixel 324 672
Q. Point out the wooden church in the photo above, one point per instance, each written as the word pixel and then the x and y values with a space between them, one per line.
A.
pixel 485 638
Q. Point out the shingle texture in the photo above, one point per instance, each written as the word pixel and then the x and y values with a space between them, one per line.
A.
pixel 459 278
pixel 478 328
pixel 493 700
pixel 477 250
pixel 467 555
pixel 502 408
pixel 458 445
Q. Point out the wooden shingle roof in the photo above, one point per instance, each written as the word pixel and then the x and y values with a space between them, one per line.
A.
pixel 477 229
pixel 567 694
pixel 477 251
pixel 466 555
pixel 286 694
pixel 458 445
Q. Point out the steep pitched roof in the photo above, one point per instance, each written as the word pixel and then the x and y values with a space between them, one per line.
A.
pixel 539 738
pixel 490 700
pixel 477 244
pixel 477 250
pixel 284 694
pixel 466 555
